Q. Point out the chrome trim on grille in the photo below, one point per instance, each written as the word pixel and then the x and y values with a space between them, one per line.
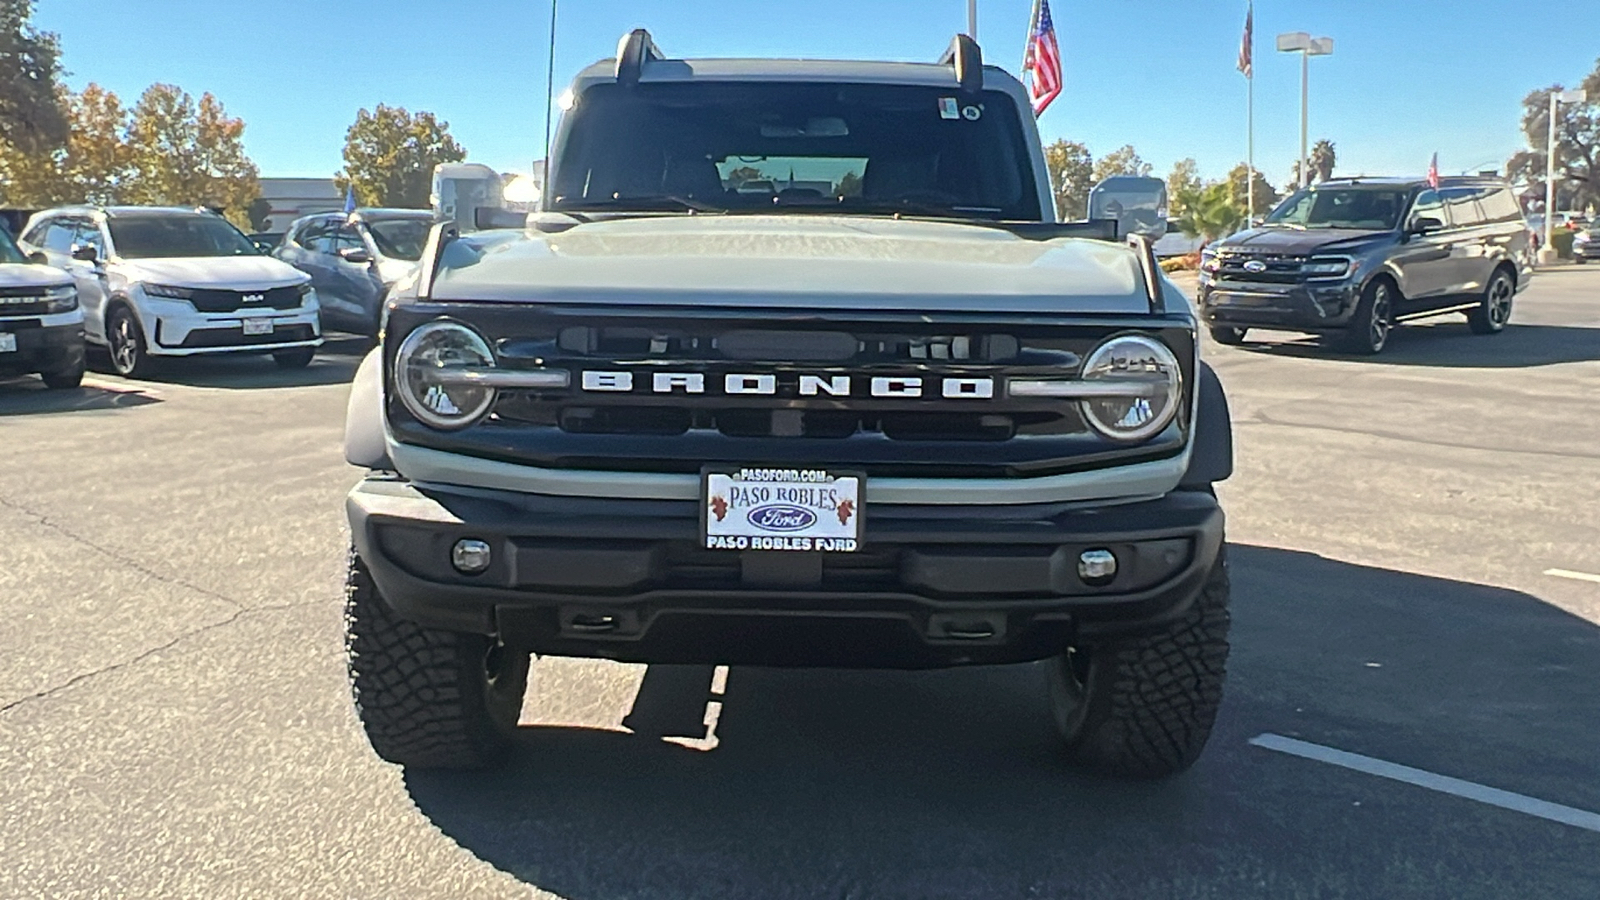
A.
pixel 482 376
pixel 1084 390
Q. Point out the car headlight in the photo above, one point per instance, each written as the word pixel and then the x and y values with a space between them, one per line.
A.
pixel 308 297
pixel 1326 267
pixel 168 291
pixel 61 299
pixel 1209 262
pixel 428 375
pixel 1148 380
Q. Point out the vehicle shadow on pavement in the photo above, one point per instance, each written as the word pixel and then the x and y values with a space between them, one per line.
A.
pixel 335 363
pixel 25 397
pixel 1452 345
pixel 950 783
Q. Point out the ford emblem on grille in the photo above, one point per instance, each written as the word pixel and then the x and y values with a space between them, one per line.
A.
pixel 1255 267
pixel 782 517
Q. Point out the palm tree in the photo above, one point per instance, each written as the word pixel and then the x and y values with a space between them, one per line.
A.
pixel 1323 159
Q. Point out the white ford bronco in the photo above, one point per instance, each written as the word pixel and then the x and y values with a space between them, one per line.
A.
pixel 794 367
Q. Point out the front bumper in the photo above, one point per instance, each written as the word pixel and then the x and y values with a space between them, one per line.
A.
pixel 174 328
pixel 933 586
pixel 1312 306
pixel 49 343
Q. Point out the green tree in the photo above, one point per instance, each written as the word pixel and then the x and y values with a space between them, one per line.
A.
pixel 1121 161
pixel 1071 176
pixel 1238 181
pixel 31 118
pixel 1577 144
pixel 849 185
pixel 259 214
pixel 389 156
pixel 743 175
pixel 1181 181
pixel 92 166
pixel 189 154
pixel 1211 212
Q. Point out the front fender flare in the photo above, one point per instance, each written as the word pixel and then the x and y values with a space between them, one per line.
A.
pixel 1211 457
pixel 364 443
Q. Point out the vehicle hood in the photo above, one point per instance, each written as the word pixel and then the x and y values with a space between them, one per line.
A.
pixel 795 262
pixel 1295 242
pixel 233 273
pixel 27 275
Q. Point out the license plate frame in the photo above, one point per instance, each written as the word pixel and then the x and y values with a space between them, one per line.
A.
pixel 804 509
pixel 8 342
pixel 257 327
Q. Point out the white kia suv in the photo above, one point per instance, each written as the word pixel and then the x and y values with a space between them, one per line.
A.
pixel 158 282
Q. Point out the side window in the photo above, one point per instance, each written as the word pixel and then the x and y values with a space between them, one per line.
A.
pixel 36 234
pixel 1500 206
pixel 1462 203
pixel 314 236
pixel 89 236
pixel 348 238
pixel 59 236
pixel 1428 205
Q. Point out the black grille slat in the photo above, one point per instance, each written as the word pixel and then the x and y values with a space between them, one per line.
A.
pixel 220 301
pixel 1279 269
pixel 235 337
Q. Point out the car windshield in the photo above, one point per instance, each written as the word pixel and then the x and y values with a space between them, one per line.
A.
pixel 156 237
pixel 781 148
pixel 400 238
pixel 9 252
pixel 1368 209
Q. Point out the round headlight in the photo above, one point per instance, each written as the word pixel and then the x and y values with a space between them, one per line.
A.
pixel 1148 373
pixel 423 370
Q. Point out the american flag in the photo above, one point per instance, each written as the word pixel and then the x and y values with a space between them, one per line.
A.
pixel 1041 66
pixel 1247 44
pixel 1433 172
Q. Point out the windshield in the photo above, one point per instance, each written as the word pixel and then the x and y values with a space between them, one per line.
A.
pixel 400 238
pixel 157 237
pixel 841 148
pixel 1367 209
pixel 9 253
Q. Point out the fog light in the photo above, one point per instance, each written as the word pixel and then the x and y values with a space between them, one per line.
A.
pixel 1097 567
pixel 472 557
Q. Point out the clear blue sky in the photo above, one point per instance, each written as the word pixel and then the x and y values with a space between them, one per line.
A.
pixel 1409 77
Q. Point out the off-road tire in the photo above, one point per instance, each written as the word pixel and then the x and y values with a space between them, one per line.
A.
pixel 425 697
pixel 1373 322
pixel 1144 707
pixel 1228 334
pixel 1494 310
pixel 294 358
pixel 66 379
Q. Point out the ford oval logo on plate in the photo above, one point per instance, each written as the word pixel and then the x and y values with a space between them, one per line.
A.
pixel 1255 266
pixel 782 517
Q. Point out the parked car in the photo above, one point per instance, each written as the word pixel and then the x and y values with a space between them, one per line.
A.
pixel 266 241
pixel 41 323
pixel 918 424
pixel 1352 258
pixel 166 282
pixel 355 258
pixel 1586 246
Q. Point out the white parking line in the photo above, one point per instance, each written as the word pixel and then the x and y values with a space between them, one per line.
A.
pixel 1543 809
pixel 1575 576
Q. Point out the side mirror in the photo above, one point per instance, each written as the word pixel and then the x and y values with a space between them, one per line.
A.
pixel 1425 225
pixel 85 253
pixel 357 255
pixel 38 259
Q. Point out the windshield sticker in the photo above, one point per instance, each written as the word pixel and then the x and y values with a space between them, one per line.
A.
pixel 949 108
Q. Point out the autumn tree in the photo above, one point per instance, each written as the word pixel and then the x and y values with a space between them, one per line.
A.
pixel 1183 180
pixel 185 153
pixel 1071 176
pixel 93 165
pixel 1577 144
pixel 390 154
pixel 1121 161
pixel 31 118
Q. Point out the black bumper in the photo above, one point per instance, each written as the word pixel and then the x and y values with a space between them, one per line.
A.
pixel 933 586
pixel 1301 307
pixel 42 348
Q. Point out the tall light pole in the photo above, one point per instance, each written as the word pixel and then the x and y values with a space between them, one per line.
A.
pixel 1547 253
pixel 972 19
pixel 1307 46
pixel 549 98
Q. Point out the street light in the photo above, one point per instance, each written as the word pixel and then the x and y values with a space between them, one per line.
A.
pixel 1307 46
pixel 1547 253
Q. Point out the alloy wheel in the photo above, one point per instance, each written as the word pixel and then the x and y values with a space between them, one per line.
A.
pixel 1379 325
pixel 1500 302
pixel 124 344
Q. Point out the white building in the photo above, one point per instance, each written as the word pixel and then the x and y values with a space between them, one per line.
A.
pixel 292 198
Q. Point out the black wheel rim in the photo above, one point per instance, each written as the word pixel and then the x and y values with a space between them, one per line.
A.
pixel 1499 306
pixel 1378 327
pixel 124 344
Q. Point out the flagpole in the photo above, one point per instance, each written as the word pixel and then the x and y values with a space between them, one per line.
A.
pixel 972 19
pixel 1250 127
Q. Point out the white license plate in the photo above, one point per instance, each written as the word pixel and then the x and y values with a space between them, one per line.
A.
pixel 8 343
pixel 802 510
pixel 257 326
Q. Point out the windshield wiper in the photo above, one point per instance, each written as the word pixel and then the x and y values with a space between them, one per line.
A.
pixel 642 203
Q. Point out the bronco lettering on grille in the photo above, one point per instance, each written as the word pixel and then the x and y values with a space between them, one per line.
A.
pixel 766 385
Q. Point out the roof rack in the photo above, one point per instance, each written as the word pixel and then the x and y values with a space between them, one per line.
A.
pixel 967 58
pixel 633 51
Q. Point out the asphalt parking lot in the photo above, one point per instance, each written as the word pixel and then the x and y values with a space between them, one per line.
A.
pixel 174 719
